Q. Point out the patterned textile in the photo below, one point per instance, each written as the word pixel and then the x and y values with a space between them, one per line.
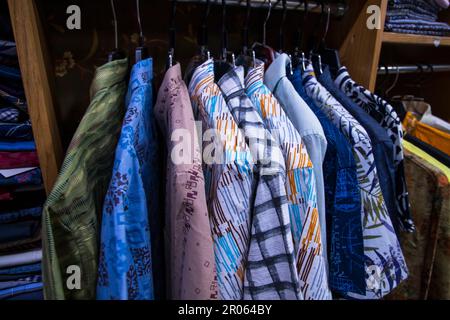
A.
pixel 9 115
pixel 429 190
pixel 385 115
pixel 70 216
pixel 416 17
pixel 229 179
pixel 16 132
pixel 271 267
pixel 422 111
pixel 9 146
pixel 18 102
pixel 33 177
pixel 435 137
pixel 192 271
pixel 125 269
pixel 14 160
pixel 300 186
pixel 384 261
pixel 306 123
pixel 9 217
pixel 343 200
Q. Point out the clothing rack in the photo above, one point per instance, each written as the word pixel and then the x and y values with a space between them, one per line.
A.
pixel 337 9
pixel 409 69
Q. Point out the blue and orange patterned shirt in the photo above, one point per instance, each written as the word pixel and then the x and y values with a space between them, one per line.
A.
pixel 229 178
pixel 300 187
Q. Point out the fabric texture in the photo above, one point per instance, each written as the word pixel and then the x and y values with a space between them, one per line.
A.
pixel 384 261
pixel 306 123
pixel 14 160
pixel 435 137
pixel 9 146
pixel 228 173
pixel 300 186
pixel 422 111
pixel 432 151
pixel 125 270
pixel 74 207
pixel 9 115
pixel 16 132
pixel 271 267
pixel 32 177
pixel 343 205
pixel 386 115
pixel 425 250
pixel 386 133
pixel 190 254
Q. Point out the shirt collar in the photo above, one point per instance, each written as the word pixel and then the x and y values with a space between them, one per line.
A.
pixel 202 77
pixel 343 75
pixel 255 76
pixel 109 75
pixel 141 74
pixel 232 83
pixel 277 71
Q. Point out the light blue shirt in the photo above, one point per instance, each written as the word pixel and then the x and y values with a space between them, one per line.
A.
pixel 306 123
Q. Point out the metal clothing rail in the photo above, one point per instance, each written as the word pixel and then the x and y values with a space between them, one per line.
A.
pixel 336 9
pixel 392 70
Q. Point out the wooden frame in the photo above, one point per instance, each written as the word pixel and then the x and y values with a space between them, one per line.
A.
pixel 38 83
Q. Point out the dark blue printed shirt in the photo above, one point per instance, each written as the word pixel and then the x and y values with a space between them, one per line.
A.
pixel 382 144
pixel 343 205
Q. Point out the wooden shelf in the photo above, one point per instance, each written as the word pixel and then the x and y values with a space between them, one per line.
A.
pixel 413 39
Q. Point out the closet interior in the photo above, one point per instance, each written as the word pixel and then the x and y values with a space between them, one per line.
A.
pixel 406 70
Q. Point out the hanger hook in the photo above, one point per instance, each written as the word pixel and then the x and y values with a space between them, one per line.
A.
pixel 327 25
pixel 139 18
pixel 266 21
pixel 116 27
pixel 224 30
pixel 246 27
pixel 172 33
pixel 283 20
pixel 204 27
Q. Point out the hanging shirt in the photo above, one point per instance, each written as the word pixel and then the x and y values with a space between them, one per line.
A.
pixel 271 267
pixel 435 137
pixel 300 187
pixel 306 123
pixel 386 116
pixel 382 145
pixel 426 250
pixel 229 179
pixel 343 205
pixel 384 261
pixel 70 217
pixel 126 268
pixel 190 256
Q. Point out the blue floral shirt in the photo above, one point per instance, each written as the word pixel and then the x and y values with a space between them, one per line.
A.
pixel 126 264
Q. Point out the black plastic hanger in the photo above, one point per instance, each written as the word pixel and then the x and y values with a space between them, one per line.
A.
pixel 329 56
pixel 172 35
pixel 141 52
pixel 116 54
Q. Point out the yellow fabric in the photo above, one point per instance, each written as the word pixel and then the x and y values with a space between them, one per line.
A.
pixel 425 156
pixel 435 137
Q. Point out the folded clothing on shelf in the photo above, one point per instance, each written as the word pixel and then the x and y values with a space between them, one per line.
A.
pixel 416 17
